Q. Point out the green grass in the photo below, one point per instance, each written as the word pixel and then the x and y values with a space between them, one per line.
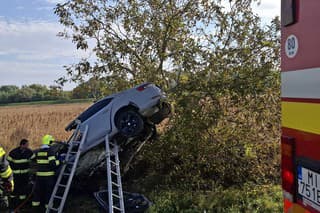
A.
pixel 48 102
pixel 250 198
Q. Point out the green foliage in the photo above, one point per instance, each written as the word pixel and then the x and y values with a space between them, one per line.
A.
pixel 250 198
pixel 216 138
pixel 33 92
pixel 160 41
pixel 50 102
pixel 9 89
pixel 97 87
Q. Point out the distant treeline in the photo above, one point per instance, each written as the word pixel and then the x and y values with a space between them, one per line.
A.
pixel 37 92
pixel 34 92
pixel 94 88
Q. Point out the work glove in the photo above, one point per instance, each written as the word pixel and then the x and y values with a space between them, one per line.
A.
pixel 8 186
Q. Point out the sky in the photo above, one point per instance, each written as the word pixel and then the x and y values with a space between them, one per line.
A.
pixel 30 51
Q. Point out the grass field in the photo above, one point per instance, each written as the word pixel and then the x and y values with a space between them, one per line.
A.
pixel 34 121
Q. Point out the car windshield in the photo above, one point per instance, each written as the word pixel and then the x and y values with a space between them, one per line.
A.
pixel 94 109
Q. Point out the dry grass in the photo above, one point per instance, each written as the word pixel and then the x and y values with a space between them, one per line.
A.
pixel 32 122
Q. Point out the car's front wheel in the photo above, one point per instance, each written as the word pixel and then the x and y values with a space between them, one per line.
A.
pixel 129 123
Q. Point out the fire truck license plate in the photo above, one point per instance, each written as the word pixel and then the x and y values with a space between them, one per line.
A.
pixel 309 186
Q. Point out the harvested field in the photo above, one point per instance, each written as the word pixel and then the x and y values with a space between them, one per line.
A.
pixel 34 121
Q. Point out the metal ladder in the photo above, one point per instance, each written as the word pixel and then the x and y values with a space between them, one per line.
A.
pixel 115 195
pixel 61 189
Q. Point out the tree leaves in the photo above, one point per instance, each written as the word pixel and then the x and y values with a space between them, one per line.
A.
pixel 150 39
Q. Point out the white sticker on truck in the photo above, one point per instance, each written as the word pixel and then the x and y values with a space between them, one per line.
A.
pixel 291 46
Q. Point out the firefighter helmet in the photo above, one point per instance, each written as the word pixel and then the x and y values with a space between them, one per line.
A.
pixel 47 139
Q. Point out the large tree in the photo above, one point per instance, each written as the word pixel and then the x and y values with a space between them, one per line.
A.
pixel 162 40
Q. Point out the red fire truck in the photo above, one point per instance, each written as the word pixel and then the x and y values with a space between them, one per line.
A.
pixel 300 100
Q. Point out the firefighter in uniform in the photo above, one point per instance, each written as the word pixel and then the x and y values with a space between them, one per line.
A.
pixel 6 181
pixel 19 159
pixel 46 164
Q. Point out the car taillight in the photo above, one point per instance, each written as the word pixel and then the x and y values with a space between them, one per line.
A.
pixel 143 87
pixel 288 164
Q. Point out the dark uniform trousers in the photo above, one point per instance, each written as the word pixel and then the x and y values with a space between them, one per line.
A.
pixel 42 191
pixel 21 185
pixel 45 178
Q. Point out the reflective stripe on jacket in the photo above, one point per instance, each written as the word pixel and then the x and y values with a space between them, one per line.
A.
pixel 46 162
pixel 20 159
pixel 5 170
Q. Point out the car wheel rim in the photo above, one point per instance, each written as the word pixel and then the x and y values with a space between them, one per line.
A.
pixel 129 124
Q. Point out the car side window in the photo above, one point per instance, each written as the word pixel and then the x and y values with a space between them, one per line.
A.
pixel 94 109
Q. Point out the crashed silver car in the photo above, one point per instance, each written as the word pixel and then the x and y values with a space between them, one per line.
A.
pixel 127 116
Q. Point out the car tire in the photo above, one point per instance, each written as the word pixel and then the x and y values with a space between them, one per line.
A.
pixel 129 123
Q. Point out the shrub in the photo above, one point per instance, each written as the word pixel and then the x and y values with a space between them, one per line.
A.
pixel 249 198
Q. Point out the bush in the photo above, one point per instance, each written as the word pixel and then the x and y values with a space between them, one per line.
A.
pixel 228 143
pixel 250 198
